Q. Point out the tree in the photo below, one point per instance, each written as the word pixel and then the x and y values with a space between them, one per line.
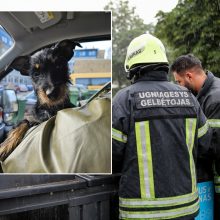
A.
pixel 192 27
pixel 126 25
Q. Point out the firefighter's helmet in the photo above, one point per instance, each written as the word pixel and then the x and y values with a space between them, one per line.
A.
pixel 145 49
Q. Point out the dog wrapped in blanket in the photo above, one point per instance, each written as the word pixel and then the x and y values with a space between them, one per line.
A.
pixel 48 69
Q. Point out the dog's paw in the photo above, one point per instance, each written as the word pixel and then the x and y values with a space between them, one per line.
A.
pixel 13 140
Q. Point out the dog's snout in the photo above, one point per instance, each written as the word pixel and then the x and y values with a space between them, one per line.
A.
pixel 49 91
pixel 52 92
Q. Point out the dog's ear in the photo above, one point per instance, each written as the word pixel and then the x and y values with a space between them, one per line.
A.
pixel 65 48
pixel 21 64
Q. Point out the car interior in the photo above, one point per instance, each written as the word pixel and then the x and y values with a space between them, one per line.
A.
pixel 29 32
pixel 34 30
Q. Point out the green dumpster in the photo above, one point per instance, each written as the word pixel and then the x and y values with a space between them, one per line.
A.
pixel 91 93
pixel 21 110
pixel 74 94
pixel 84 94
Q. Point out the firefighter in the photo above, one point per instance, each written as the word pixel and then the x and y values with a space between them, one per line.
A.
pixel 188 72
pixel 158 132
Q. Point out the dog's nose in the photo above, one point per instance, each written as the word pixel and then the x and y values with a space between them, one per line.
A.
pixel 49 91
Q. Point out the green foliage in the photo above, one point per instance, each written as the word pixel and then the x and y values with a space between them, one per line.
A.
pixel 192 27
pixel 126 25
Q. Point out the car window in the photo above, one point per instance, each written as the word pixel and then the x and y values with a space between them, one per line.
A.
pixel 91 65
pixel 6 41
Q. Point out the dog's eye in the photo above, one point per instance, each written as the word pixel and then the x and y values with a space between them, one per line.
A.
pixel 37 65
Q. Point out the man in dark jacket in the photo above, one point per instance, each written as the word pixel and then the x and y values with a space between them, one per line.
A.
pixel 158 132
pixel 188 72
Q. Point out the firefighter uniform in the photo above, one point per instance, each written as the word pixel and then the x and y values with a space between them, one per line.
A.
pixel 158 132
pixel 209 99
pixel 155 130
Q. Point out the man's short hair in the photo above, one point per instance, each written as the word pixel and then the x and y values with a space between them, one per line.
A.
pixel 185 62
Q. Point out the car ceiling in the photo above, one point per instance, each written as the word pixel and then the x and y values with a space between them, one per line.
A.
pixel 30 33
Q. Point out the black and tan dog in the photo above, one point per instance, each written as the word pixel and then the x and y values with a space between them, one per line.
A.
pixel 48 69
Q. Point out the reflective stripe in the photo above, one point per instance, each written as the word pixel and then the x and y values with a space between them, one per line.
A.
pixel 161 214
pixel 217 180
pixel 119 136
pixel 217 189
pixel 214 123
pixel 190 137
pixel 202 131
pixel 144 159
pixel 149 160
pixel 158 202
